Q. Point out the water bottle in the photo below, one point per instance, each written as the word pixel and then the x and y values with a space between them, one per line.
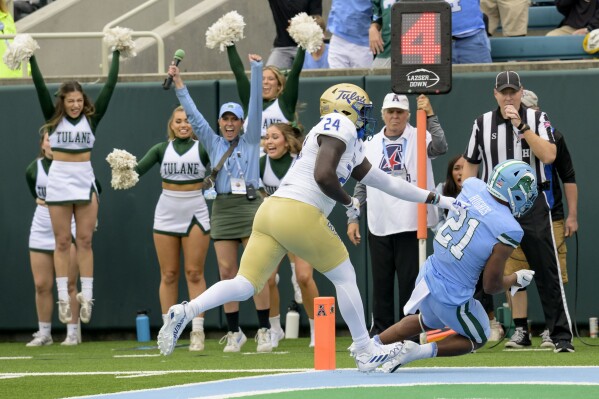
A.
pixel 292 322
pixel 142 324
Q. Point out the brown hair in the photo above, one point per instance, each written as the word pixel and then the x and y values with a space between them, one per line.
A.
pixel 451 189
pixel 293 136
pixel 59 111
pixel 170 133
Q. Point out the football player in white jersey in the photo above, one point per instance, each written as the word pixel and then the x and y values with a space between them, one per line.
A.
pixel 332 152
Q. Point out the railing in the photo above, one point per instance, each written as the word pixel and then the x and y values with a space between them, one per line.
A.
pixel 92 35
pixel 141 7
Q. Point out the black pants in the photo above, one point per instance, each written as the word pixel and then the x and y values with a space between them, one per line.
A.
pixel 540 250
pixel 392 256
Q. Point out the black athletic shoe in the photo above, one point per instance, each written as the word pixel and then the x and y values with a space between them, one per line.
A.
pixel 563 346
pixel 519 339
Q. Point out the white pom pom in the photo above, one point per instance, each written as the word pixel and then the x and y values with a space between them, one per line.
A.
pixel 306 32
pixel 124 179
pixel 122 164
pixel 226 31
pixel 21 49
pixel 118 38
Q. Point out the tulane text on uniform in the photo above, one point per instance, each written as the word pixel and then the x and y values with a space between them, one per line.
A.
pixel 73 137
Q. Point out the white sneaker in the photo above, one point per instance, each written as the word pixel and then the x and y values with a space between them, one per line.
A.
pixel 374 355
pixel 70 340
pixel 264 341
pixel 85 310
pixel 496 331
pixel 407 354
pixel 275 336
pixel 196 343
pixel 176 320
pixel 64 311
pixel 40 340
pixel 546 341
pixel 234 341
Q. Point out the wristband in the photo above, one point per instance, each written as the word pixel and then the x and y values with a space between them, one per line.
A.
pixel 523 127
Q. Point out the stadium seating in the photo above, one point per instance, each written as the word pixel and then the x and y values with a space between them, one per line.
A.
pixel 537 48
pixel 541 19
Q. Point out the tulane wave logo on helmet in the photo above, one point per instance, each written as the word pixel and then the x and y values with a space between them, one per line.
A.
pixel 514 182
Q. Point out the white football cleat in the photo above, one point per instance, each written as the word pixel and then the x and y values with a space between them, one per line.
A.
pixel 176 320
pixel 374 355
pixel 408 353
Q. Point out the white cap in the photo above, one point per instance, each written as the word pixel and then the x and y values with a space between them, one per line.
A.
pixel 530 99
pixel 393 100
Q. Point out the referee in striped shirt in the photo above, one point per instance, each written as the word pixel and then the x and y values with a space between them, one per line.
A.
pixel 513 131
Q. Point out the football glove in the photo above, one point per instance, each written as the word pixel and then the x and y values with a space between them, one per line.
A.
pixel 452 204
pixel 353 208
pixel 524 278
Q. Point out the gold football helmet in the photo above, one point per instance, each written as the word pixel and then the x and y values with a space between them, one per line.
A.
pixel 351 101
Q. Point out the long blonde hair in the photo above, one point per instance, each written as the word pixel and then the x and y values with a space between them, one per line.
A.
pixel 3 6
pixel 59 109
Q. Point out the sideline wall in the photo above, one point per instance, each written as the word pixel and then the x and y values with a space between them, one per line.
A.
pixel 126 269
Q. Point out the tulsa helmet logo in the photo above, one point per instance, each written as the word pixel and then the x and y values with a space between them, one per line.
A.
pixel 422 78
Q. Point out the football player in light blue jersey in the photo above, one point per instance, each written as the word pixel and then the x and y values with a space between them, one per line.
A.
pixel 479 240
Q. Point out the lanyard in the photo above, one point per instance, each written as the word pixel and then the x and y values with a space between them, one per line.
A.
pixel 236 156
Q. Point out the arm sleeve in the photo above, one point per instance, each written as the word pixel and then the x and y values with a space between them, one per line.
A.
pixel 563 161
pixel 199 124
pixel 288 98
pixel 243 83
pixel 254 128
pixel 398 188
pixel 472 153
pixel 153 156
pixel 438 145
pixel 103 99
pixel 30 177
pixel 360 194
pixel 43 95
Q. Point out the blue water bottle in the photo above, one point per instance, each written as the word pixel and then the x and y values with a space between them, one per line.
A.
pixel 142 324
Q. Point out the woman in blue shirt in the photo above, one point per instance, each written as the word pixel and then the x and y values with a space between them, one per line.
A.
pixel 236 183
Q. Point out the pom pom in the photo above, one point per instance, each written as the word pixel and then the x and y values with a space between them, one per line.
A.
pixel 226 31
pixel 590 44
pixel 119 39
pixel 122 164
pixel 306 32
pixel 21 49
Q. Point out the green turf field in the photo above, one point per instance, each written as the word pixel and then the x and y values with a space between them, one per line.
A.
pixel 115 366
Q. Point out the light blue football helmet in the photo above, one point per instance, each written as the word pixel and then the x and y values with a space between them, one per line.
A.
pixel 514 182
